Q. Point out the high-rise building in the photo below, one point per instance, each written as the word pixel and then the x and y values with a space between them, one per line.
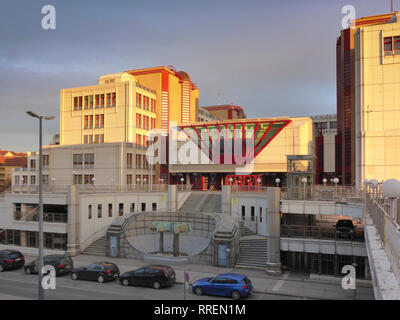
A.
pixel 226 112
pixel 346 95
pixel 377 100
pixel 177 97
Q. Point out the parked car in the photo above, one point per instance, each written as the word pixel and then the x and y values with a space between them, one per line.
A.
pixel 155 276
pixel 100 272
pixel 62 264
pixel 231 285
pixel 11 259
pixel 345 229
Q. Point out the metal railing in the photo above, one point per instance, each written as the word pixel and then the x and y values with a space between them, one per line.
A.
pixel 258 189
pixel 323 193
pixel 322 232
pixel 52 217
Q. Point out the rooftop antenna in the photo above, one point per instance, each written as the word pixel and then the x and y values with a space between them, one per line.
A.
pixel 219 98
pixel 391 6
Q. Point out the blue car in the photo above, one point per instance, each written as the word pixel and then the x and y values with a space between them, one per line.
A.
pixel 231 285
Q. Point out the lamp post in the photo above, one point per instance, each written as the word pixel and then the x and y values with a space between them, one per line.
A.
pixel 304 180
pixel 336 181
pixel 40 258
pixel 324 181
pixel 277 180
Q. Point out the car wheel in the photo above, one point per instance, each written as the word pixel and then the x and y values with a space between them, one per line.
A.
pixel 1 268
pixel 235 295
pixel 100 279
pixel 198 291
pixel 125 282
pixel 28 270
pixel 74 276
pixel 156 285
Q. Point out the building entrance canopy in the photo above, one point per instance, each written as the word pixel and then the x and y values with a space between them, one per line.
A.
pixel 228 142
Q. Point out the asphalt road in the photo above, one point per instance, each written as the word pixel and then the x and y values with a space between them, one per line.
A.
pixel 16 284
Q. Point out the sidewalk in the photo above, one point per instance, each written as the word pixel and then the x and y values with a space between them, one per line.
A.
pixel 290 284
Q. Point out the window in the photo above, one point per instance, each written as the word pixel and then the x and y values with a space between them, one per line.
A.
pixel 333 125
pixel 99 211
pixel 388 44
pixel 99 121
pixel 153 105
pixel 396 41
pixel 77 160
pixel 99 138
pixel 110 210
pixel 138 100
pixel 88 139
pixel 46 158
pixel 121 209
pixel 88 122
pixel 252 213
pixel 154 206
pixel 33 180
pixel 16 180
pixel 77 103
pixel 129 179
pixel 13 237
pixel 113 99
pixel 145 179
pixel 89 179
pixel 143 206
pixel 243 212
pixel 261 217
pixel 90 211
pixel 138 120
pixel 33 164
pixel 89 160
pixel 129 158
pixel 322 125
pixel 132 207
pixel 78 179
pixel 24 179
pixel 138 179
pixel 88 102
pixel 138 140
pixel 138 161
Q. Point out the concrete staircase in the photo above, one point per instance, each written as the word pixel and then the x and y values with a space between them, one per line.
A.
pixel 97 248
pixel 202 202
pixel 253 250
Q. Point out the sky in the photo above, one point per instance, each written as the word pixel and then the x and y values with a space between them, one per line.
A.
pixel 274 58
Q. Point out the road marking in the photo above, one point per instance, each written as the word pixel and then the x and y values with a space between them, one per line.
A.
pixel 281 282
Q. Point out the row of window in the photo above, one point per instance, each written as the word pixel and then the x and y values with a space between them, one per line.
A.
pixel 147 123
pixel 84 179
pixel 86 102
pixel 121 209
pixel 392 44
pixel 88 121
pixel 80 159
pixel 139 163
pixel 145 102
pixel 88 138
pixel 56 241
pixel 252 213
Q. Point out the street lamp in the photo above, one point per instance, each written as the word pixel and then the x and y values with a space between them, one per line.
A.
pixel 40 258
pixel 336 181
pixel 277 180
pixel 324 181
pixel 304 180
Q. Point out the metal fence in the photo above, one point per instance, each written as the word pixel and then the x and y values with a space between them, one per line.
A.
pixel 323 193
pixel 52 217
pixel 322 232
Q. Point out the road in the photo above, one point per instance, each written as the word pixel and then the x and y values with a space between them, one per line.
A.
pixel 16 284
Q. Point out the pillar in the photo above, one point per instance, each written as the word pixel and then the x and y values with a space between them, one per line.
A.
pixel 23 237
pixel 226 199
pixel 172 198
pixel 73 245
pixel 176 244
pixel 274 266
pixel 161 242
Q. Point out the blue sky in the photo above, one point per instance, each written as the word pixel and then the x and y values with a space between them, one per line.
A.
pixel 274 58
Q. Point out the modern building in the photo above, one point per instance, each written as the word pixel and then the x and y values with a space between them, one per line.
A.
pixel 346 93
pixel 176 95
pixel 205 116
pixel 377 100
pixel 269 143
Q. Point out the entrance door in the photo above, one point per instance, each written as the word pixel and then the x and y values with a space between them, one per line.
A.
pixel 222 255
